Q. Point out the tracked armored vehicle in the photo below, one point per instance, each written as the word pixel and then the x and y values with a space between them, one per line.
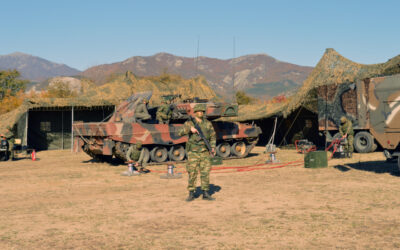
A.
pixel 161 142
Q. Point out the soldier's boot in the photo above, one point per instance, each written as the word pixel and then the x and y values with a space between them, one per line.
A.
pixel 207 196
pixel 191 196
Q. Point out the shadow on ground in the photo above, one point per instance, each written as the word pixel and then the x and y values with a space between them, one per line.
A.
pixel 213 189
pixel 379 167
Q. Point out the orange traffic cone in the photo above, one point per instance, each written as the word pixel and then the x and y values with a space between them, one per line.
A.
pixel 33 155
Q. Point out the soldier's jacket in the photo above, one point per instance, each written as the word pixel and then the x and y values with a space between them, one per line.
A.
pixel 134 154
pixel 141 112
pixel 164 112
pixel 195 143
pixel 346 128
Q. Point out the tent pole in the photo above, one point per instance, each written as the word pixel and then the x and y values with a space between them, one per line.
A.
pixel 26 128
pixel 62 129
pixel 72 129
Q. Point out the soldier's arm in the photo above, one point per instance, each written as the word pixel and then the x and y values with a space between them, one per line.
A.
pixel 128 154
pixel 141 158
pixel 348 127
pixel 185 129
pixel 213 136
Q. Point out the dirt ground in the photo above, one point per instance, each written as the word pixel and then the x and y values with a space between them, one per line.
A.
pixel 64 200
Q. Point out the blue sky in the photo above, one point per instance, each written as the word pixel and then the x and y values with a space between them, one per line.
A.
pixel 82 33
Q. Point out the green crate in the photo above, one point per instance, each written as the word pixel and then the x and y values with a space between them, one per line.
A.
pixel 316 159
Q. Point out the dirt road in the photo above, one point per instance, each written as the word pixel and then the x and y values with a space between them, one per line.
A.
pixel 64 200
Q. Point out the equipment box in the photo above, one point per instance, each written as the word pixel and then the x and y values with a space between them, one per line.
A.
pixel 316 159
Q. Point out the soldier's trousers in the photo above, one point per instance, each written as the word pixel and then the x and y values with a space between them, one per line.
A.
pixel 349 147
pixel 198 162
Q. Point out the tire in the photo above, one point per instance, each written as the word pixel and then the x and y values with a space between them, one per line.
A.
pixel 398 164
pixel 3 156
pixel 239 149
pixel 363 142
pixel 159 154
pixel 223 149
pixel 176 153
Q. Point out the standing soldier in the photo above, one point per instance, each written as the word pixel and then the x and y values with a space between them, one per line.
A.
pixel 141 112
pixel 164 112
pixel 198 155
pixel 135 158
pixel 346 131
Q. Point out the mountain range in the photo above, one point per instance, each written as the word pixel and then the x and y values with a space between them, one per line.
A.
pixel 34 68
pixel 259 75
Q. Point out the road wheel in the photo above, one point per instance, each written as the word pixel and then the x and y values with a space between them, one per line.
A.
pixel 159 154
pixel 239 149
pixel 374 147
pixel 223 149
pixel 176 153
pixel 363 142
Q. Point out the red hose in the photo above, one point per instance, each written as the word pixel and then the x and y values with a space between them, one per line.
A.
pixel 244 168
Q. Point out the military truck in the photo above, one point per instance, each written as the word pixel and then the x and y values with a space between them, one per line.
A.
pixel 161 142
pixel 371 104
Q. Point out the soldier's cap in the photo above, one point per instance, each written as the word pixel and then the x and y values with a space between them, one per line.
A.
pixel 343 119
pixel 199 107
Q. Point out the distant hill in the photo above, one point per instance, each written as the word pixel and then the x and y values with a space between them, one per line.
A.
pixel 34 68
pixel 250 71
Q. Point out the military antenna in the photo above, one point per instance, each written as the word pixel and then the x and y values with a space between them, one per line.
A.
pixel 196 63
pixel 233 69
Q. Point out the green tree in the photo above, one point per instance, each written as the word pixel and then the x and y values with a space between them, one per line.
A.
pixel 10 84
pixel 242 98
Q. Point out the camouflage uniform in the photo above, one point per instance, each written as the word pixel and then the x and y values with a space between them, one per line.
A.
pixel 198 155
pixel 135 154
pixel 141 111
pixel 164 113
pixel 346 127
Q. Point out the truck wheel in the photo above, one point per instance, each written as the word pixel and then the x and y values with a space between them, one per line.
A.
pixel 398 164
pixel 3 156
pixel 363 142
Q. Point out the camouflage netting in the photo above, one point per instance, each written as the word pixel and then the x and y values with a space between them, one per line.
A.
pixel 11 118
pixel 335 69
pixel 119 88
pixel 331 69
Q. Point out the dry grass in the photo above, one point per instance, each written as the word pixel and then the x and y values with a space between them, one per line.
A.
pixel 65 201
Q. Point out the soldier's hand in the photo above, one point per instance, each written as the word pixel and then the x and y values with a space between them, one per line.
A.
pixel 194 130
pixel 213 151
pixel 137 164
pixel 130 161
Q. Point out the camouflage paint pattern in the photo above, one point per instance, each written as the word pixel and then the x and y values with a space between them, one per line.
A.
pixel 198 162
pixel 371 104
pixel 114 136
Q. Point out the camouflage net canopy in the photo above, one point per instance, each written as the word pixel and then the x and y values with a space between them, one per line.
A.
pixel 331 69
pixel 335 69
pixel 9 119
pixel 118 89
